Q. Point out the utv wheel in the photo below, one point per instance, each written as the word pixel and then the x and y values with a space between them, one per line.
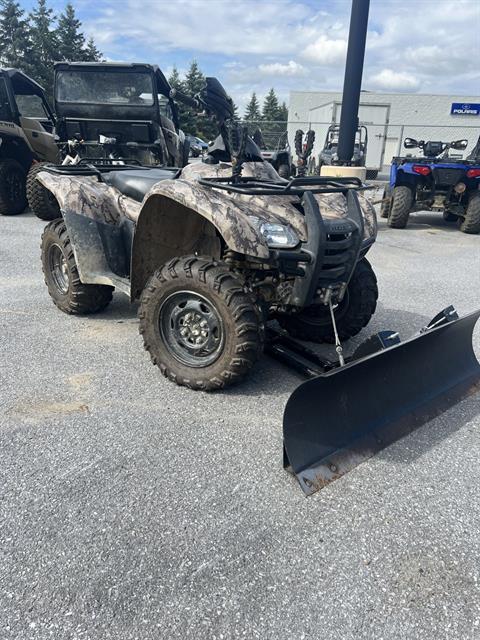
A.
pixel 351 315
pixel 284 171
pixel 40 200
pixel 471 222
pixel 13 197
pixel 386 204
pixel 400 207
pixel 200 327
pixel 61 275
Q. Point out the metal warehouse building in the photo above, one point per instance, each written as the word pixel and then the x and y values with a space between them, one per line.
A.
pixel 389 118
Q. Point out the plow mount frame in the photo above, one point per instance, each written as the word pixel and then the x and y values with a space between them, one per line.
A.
pixel 343 415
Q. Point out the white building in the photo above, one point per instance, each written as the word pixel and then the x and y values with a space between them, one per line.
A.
pixel 389 118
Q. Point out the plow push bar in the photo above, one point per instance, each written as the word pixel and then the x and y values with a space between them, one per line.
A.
pixel 342 416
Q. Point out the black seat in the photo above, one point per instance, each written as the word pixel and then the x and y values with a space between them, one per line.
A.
pixel 135 183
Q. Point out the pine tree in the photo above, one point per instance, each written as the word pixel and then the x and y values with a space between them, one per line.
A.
pixel 71 39
pixel 15 47
pixel 91 53
pixel 271 108
pixel 194 80
pixel 252 110
pixel 283 112
pixel 175 81
pixel 44 45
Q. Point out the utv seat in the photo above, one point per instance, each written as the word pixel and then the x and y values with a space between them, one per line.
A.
pixel 135 183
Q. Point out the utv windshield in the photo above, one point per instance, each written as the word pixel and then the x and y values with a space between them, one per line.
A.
pixel 104 87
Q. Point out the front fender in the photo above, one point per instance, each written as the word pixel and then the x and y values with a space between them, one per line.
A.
pixel 236 220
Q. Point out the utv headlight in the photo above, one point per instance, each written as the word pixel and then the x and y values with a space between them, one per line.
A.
pixel 278 236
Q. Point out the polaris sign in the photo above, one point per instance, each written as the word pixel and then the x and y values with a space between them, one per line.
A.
pixel 462 109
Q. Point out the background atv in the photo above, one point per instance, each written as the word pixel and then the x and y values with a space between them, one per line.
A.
pixel 328 155
pixel 26 136
pixel 280 156
pixel 434 182
pixel 212 252
pixel 112 112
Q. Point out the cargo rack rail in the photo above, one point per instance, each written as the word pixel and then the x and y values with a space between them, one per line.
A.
pixel 294 187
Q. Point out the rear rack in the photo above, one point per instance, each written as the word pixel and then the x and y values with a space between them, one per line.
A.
pixel 98 166
pixel 295 187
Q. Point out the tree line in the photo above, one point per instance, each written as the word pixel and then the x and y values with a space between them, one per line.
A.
pixel 33 41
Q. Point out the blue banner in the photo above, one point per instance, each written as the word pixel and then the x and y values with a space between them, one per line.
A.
pixel 465 109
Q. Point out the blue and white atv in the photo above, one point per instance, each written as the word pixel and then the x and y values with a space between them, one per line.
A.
pixel 434 182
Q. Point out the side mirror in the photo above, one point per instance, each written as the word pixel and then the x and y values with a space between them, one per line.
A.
pixel 459 145
pixel 217 100
pixel 410 143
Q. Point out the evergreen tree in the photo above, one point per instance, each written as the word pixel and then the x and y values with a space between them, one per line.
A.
pixel 15 48
pixel 252 110
pixel 44 45
pixel 71 39
pixel 175 81
pixel 271 108
pixel 283 112
pixel 91 53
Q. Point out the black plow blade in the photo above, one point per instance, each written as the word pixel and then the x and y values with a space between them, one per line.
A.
pixel 338 419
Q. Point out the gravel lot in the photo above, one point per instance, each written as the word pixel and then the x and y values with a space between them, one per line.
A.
pixel 131 508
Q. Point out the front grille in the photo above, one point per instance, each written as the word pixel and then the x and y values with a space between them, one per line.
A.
pixel 338 254
pixel 447 176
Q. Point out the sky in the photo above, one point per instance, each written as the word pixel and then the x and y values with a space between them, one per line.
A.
pixel 425 46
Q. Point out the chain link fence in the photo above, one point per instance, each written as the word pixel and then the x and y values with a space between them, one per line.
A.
pixel 384 142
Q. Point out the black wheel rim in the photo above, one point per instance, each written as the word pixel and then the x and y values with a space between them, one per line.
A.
pixel 191 328
pixel 58 268
pixel 14 181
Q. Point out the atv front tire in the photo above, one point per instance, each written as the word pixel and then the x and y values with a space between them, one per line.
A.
pixel 471 222
pixel 40 200
pixel 402 199
pixel 60 271
pixel 13 197
pixel 200 327
pixel 351 315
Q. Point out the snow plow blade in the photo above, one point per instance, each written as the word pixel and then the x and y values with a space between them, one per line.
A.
pixel 338 419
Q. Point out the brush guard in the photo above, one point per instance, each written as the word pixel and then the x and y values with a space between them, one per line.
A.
pixel 343 415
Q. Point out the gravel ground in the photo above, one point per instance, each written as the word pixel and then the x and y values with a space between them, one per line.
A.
pixel 131 508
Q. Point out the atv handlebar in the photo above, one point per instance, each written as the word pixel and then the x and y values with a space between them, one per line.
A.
pixel 188 100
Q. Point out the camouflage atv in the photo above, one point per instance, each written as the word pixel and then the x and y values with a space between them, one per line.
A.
pixel 215 250
pixel 212 251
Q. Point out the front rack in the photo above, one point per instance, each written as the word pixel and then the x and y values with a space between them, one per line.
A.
pixel 294 187
pixel 97 166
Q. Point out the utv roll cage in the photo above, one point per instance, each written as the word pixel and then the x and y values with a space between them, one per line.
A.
pixel 17 83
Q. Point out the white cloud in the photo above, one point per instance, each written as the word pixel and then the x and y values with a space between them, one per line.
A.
pixel 292 68
pixel 326 51
pixel 394 80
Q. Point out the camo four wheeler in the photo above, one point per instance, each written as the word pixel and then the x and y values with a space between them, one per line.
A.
pixel 212 251
pixel 215 250
pixel 26 136
pixel 434 182
pixel 111 112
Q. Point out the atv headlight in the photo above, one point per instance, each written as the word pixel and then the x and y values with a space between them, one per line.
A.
pixel 278 236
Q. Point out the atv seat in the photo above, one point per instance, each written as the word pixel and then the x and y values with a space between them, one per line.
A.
pixel 135 183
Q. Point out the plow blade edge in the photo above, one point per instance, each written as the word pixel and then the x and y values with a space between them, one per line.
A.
pixel 338 419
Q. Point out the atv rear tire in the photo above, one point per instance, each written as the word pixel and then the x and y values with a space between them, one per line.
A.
pixel 351 315
pixel 471 222
pixel 402 199
pixel 40 200
pixel 60 271
pixel 200 327
pixel 13 197
pixel 284 171
pixel 386 204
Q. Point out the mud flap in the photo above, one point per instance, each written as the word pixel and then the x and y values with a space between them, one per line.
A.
pixel 336 420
